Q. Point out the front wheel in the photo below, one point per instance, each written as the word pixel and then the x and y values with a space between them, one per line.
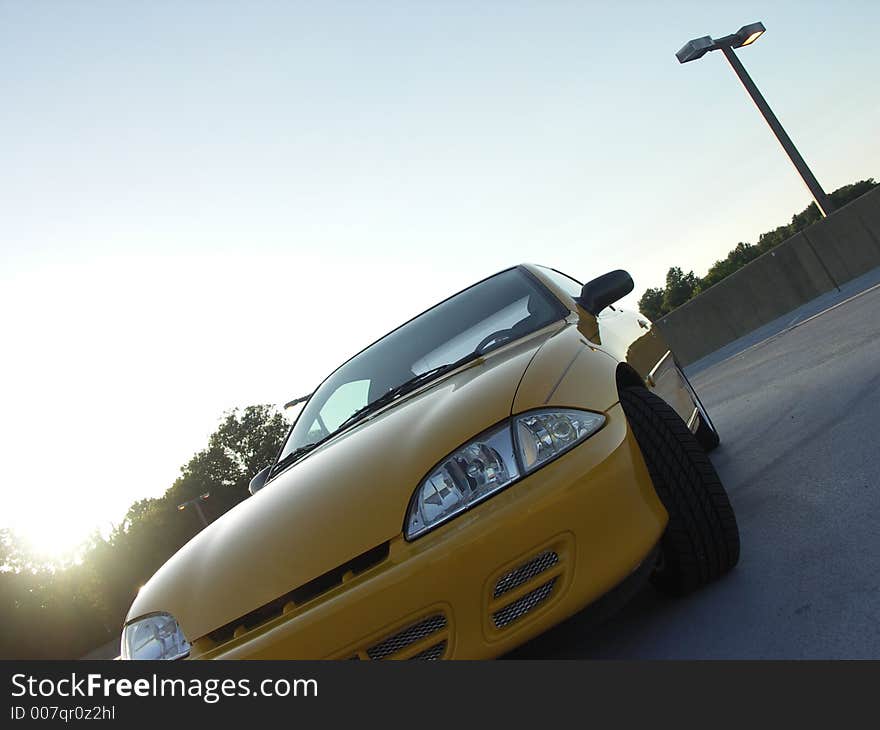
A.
pixel 701 542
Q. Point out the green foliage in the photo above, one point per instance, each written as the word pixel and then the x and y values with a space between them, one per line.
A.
pixel 736 259
pixel 64 611
pixel 651 303
pixel 680 287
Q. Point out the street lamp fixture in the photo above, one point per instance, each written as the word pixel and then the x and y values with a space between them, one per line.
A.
pixel 751 33
pixel 195 503
pixel 697 48
pixel 296 401
pixel 745 36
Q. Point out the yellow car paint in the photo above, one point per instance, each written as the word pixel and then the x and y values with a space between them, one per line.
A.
pixel 606 525
pixel 594 506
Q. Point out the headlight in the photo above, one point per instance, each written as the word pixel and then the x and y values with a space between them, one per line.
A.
pixel 154 637
pixel 493 461
pixel 543 435
pixel 467 476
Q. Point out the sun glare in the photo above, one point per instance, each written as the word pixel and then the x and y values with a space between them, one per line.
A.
pixel 55 537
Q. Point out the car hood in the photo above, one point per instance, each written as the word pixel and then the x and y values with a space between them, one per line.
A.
pixel 343 499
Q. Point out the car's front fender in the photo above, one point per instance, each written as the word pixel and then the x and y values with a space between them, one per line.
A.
pixel 569 371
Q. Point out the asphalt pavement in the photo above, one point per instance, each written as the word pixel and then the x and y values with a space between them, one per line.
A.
pixel 799 418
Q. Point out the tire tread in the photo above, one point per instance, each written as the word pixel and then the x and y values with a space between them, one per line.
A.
pixel 701 542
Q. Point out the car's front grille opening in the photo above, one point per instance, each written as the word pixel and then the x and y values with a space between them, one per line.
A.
pixel 520 607
pixel 531 584
pixel 524 573
pixel 333 578
pixel 302 594
pixel 431 653
pixel 399 641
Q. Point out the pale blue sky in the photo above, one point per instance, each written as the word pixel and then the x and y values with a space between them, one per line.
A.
pixel 183 184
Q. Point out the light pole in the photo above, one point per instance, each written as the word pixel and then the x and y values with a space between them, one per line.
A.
pixel 745 36
pixel 196 503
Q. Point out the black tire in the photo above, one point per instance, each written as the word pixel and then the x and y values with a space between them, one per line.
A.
pixel 706 432
pixel 701 542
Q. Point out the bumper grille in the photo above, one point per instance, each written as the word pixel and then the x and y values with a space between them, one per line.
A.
pixel 298 596
pixel 432 653
pixel 524 573
pixel 408 636
pixel 529 585
pixel 520 607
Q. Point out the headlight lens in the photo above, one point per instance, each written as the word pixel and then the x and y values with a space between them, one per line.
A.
pixel 467 476
pixel 493 461
pixel 543 435
pixel 154 637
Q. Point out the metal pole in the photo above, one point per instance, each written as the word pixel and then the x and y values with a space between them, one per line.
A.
pixel 201 514
pixel 822 200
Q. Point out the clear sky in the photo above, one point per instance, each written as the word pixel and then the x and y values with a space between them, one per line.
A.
pixel 211 204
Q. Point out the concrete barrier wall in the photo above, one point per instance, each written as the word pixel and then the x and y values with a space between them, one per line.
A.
pixel 820 258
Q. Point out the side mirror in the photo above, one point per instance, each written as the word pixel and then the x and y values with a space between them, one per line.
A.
pixel 259 480
pixel 604 290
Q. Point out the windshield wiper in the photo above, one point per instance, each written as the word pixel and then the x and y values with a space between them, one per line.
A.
pixel 404 388
pixel 380 402
pixel 296 454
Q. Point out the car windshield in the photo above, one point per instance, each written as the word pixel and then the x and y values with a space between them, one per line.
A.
pixel 499 309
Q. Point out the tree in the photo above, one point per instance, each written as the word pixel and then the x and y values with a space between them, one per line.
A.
pixel 64 611
pixel 736 259
pixel 244 443
pixel 651 304
pixel 681 287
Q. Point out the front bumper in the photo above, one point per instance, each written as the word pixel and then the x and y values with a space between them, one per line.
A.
pixel 490 579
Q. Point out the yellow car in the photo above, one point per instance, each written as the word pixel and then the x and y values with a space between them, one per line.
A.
pixel 476 476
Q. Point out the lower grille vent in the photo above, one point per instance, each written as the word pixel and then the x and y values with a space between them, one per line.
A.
pixel 409 636
pixel 528 586
pixel 432 653
pixel 520 607
pixel 524 573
